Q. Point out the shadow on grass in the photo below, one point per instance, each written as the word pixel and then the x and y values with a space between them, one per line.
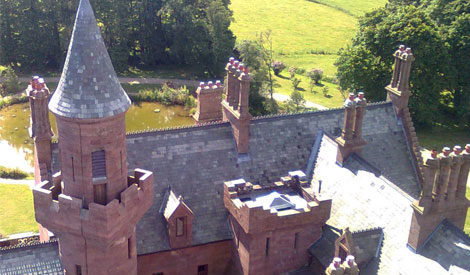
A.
pixel 283 77
pixel 319 85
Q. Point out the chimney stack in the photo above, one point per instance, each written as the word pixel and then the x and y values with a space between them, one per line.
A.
pixel 236 103
pixel 398 92
pixel 351 140
pixel 209 98
pixel 443 194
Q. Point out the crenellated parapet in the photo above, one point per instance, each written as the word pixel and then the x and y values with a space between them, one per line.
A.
pixel 102 224
pixel 281 205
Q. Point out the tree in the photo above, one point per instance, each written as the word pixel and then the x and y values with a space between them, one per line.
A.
pixel 367 63
pixel 296 101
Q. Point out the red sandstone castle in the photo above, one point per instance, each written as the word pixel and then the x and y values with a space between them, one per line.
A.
pixel 236 194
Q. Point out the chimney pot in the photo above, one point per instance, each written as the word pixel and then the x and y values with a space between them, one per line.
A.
pixel 446 151
pixel 210 83
pixel 236 63
pixel 402 48
pixel 408 50
pixel 434 153
pixel 218 83
pixel 467 148
pixel 351 96
pixel 361 95
pixel 202 84
pixel 246 70
pixel 457 149
pixel 231 60
pixel 241 67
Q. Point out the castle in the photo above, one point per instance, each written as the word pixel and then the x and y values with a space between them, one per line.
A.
pixel 236 194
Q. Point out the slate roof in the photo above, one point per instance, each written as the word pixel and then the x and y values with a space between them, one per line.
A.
pixel 363 198
pixel 367 244
pixel 88 87
pixel 196 161
pixel 32 259
pixel 324 248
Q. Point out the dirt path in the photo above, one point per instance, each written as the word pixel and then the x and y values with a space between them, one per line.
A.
pixel 135 80
pixel 177 82
pixel 30 183
pixel 308 104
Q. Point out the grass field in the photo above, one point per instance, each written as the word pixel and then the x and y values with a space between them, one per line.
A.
pixel 305 34
pixel 17 214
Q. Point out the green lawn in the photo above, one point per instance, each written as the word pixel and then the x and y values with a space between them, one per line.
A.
pixel 283 85
pixel 17 214
pixel 306 34
pixel 441 137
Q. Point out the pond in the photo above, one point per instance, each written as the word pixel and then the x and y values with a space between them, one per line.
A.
pixel 16 147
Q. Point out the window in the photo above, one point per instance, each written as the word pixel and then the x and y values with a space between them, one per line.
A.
pixel 203 270
pixel 78 269
pixel 98 164
pixel 267 247
pixel 129 248
pixel 296 238
pixel 73 171
pixel 180 224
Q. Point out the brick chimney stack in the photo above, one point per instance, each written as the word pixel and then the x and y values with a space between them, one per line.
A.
pixel 209 99
pixel 351 140
pixel 443 194
pixel 40 129
pixel 41 132
pixel 236 103
pixel 398 91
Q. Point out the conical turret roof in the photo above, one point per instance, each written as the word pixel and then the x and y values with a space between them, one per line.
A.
pixel 89 87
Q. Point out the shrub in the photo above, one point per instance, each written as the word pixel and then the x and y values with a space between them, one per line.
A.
pixel 300 71
pixel 325 91
pixel 278 67
pixel 167 96
pixel 292 70
pixel 11 83
pixel 295 83
pixel 315 74
pixel 12 173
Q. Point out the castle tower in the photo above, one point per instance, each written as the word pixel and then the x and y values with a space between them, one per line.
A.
pixel 92 206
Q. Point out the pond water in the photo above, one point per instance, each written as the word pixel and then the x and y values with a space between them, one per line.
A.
pixel 16 147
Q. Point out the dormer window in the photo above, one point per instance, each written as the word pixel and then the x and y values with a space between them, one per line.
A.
pixel 180 225
pixel 179 219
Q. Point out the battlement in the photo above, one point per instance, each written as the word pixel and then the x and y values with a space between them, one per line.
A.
pixel 284 203
pixel 101 223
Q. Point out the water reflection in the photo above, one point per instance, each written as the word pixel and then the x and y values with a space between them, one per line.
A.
pixel 16 147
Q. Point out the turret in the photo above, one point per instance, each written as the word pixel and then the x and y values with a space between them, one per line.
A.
pixel 92 205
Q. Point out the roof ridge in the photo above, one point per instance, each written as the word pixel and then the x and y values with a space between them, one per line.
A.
pixel 24 245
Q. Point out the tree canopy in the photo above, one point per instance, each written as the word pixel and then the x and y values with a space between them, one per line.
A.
pixel 438 31
pixel 142 33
